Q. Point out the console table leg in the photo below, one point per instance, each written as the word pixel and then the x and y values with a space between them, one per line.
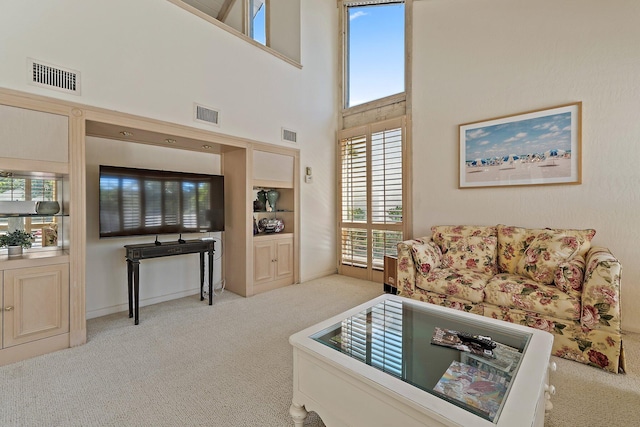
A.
pixel 210 277
pixel 130 287
pixel 298 414
pixel 202 276
pixel 136 289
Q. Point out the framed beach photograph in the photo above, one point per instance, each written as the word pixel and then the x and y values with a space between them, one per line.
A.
pixel 534 148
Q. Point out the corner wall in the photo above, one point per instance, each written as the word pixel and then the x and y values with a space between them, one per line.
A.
pixel 478 60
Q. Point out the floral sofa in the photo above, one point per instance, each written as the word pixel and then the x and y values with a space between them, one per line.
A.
pixel 549 279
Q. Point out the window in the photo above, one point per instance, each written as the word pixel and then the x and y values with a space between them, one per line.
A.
pixel 371 196
pixel 374 50
pixel 258 21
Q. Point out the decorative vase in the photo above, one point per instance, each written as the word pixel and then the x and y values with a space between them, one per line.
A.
pixel 47 208
pixel 14 250
pixel 272 197
pixel 262 198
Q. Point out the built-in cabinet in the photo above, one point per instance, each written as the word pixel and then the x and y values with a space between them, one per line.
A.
pixel 35 303
pixel 272 261
pixel 274 253
pixel 43 291
pixel 35 286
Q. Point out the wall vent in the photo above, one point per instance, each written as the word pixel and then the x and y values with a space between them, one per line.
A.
pixel 53 77
pixel 207 115
pixel 289 135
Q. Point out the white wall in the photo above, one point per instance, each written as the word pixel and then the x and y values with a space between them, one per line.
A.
pixel 160 279
pixel 153 59
pixel 477 60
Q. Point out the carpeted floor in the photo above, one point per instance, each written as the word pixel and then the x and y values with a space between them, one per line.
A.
pixel 190 364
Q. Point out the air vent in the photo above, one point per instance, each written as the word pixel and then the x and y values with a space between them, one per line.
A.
pixel 53 77
pixel 289 135
pixel 206 115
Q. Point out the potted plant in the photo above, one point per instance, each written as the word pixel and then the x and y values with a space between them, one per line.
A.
pixel 16 240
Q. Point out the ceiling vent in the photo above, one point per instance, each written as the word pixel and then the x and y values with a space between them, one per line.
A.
pixel 206 115
pixel 53 77
pixel 289 135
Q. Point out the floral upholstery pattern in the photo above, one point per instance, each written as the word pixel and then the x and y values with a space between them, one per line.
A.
pixel 466 284
pixel 569 276
pixel 475 253
pixel 580 306
pixel 544 254
pixel 513 241
pixel 601 291
pixel 513 291
pixel 446 301
pixel 426 256
pixel 571 341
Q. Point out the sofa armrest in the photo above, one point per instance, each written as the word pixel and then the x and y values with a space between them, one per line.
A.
pixel 601 291
pixel 406 267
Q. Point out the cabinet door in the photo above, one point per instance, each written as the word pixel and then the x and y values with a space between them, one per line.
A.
pixel 284 257
pixel 263 261
pixel 36 303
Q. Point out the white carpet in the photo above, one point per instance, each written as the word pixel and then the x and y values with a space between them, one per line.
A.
pixel 189 364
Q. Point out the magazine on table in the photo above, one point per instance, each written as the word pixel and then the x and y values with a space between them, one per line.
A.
pixel 505 359
pixel 479 389
pixel 462 341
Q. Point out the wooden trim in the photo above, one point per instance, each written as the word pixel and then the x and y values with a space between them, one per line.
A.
pixel 34 348
pixel 235 32
pixel 267 22
pixel 271 183
pixel 224 10
pixel 24 165
pixel 78 240
pixel 372 105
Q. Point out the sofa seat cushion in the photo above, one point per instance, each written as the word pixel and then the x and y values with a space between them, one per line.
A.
pixel 465 284
pixel 519 292
pixel 571 340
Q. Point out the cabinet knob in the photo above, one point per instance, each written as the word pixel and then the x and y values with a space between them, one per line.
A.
pixel 8 308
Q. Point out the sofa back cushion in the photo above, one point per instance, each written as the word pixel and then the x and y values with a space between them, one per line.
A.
pixel 467 247
pixel 513 241
pixel 544 255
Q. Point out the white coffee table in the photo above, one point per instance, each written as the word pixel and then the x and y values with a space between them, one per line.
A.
pixel 374 365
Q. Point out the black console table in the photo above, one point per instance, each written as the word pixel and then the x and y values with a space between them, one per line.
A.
pixel 135 253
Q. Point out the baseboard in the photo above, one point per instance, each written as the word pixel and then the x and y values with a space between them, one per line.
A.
pixel 142 303
pixel 319 275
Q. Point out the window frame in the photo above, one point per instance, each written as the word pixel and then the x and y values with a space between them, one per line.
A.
pixel 371 270
pixel 386 101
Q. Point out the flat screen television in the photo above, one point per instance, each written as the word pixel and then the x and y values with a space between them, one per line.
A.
pixel 145 201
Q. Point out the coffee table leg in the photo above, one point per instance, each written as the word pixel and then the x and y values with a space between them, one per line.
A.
pixel 298 413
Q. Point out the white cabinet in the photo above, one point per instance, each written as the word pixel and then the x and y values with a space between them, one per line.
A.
pixel 272 262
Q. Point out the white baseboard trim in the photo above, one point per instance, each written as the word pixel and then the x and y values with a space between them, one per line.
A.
pixel 319 275
pixel 142 303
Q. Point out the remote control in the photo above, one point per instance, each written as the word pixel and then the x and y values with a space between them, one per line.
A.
pixel 482 340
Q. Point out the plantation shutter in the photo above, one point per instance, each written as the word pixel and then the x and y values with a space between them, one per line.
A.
pixel 371 196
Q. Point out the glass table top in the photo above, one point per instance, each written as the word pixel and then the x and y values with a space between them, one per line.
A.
pixel 397 337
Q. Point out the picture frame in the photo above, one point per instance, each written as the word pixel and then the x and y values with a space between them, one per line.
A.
pixel 540 147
